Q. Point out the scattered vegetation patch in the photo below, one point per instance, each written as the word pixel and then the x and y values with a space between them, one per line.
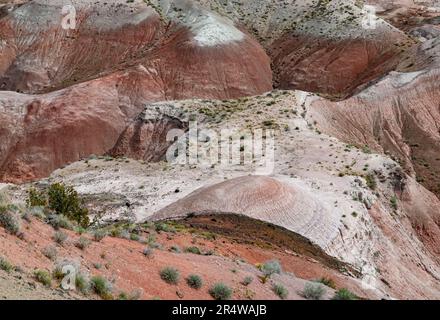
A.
pixel 62 200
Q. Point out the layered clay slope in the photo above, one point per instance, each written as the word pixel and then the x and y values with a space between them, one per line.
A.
pixel 327 47
pixel 38 54
pixel 399 115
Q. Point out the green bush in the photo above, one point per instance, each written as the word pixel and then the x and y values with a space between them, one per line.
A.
pixel 313 291
pixel 280 291
pixel 327 282
pixel 194 250
pixel 220 291
pixel 9 220
pixel 43 277
pixel 101 287
pixel 194 281
pixel 344 294
pixel 5 265
pixel 36 198
pixel 64 200
pixel 170 275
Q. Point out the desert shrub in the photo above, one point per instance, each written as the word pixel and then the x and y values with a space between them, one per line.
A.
pixel 194 250
pixel 194 281
pixel 269 268
pixel 37 212
pixel 148 252
pixel 220 291
pixel 344 294
pixel 280 291
pixel 43 277
pixel 135 295
pixel 64 200
pixel 247 281
pixel 60 237
pixel 164 227
pixel 50 252
pixel 313 291
pixel 82 283
pixel 36 198
pixel 175 249
pixel 59 221
pixel 99 234
pixel 170 275
pixel 370 179
pixel 5 265
pixel 134 237
pixel 9 220
pixel 327 282
pixel 101 287
pixel 82 243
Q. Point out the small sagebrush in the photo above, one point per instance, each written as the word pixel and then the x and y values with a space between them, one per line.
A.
pixel 43 277
pixel 9 220
pixel 170 275
pixel 5 265
pixel 101 287
pixel 280 291
pixel 194 281
pixel 98 235
pixel 344 294
pixel 220 291
pixel 82 243
pixel 247 281
pixel 313 291
pixel 50 252
pixel 60 237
